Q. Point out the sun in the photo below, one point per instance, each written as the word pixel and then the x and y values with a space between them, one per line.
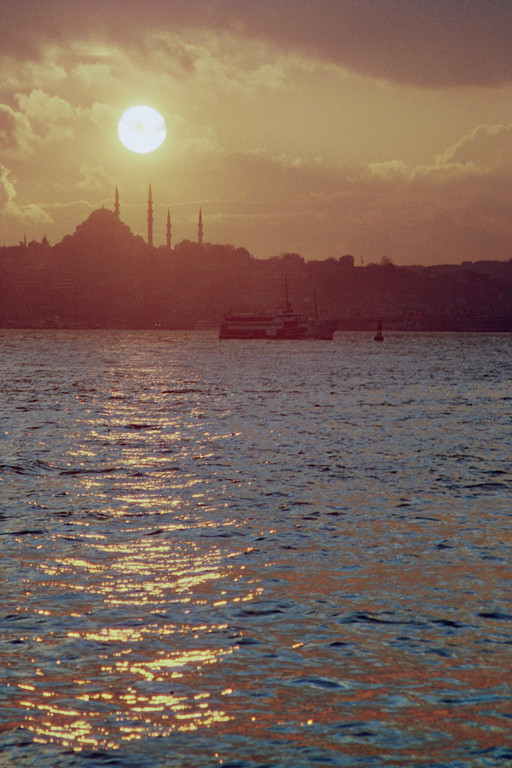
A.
pixel 141 129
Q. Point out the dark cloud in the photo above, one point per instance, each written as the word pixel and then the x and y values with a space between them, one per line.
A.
pixel 431 43
pixel 423 42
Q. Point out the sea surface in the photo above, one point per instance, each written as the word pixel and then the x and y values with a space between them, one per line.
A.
pixel 255 553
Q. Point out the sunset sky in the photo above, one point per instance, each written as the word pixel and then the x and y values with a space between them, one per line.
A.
pixel 379 128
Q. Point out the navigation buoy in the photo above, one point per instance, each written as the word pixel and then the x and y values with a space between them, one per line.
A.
pixel 378 336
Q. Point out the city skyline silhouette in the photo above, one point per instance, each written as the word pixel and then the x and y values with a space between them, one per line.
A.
pixel 104 275
pixel 375 129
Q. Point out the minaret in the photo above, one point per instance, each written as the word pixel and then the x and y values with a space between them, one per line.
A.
pixel 168 229
pixel 150 218
pixel 200 228
pixel 116 205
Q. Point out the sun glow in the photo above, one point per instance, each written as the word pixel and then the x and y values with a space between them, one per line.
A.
pixel 141 129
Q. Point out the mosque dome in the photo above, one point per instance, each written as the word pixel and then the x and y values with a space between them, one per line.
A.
pixel 102 234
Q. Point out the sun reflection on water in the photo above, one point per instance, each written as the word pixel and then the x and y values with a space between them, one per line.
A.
pixel 126 650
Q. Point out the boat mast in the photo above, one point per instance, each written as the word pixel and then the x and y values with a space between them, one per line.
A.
pixel 288 308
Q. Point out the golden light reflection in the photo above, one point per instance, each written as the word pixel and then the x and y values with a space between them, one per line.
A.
pixel 145 571
pixel 148 674
pixel 138 715
pixel 158 669
pixel 110 635
pixel 26 687
pixel 59 724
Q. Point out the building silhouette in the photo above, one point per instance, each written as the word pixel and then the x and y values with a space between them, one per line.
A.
pixel 150 218
pixel 200 228
pixel 104 276
pixel 168 238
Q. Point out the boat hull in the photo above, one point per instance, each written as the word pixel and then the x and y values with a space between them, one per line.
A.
pixel 285 326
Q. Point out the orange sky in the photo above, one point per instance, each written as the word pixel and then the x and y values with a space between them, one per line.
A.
pixel 322 127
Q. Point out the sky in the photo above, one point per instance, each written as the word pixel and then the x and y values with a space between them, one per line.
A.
pixel 377 128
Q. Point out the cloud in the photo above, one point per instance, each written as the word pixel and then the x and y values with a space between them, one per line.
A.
pixel 432 43
pixel 100 114
pixel 41 107
pixel 216 62
pixel 423 214
pixel 16 133
pixel 94 179
pixel 89 75
pixel 19 74
pixel 487 148
pixel 43 118
pixel 9 208
pixel 485 152
pixel 40 119
pixel 390 171
pixel 454 209
pixel 7 188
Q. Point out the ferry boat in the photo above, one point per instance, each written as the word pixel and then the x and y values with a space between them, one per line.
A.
pixel 284 324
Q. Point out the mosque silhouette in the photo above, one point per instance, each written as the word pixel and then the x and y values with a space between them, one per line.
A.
pixel 150 219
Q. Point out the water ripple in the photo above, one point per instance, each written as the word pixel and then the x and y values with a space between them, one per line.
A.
pixel 254 555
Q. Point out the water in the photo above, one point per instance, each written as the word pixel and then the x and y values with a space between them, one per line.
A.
pixel 255 554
